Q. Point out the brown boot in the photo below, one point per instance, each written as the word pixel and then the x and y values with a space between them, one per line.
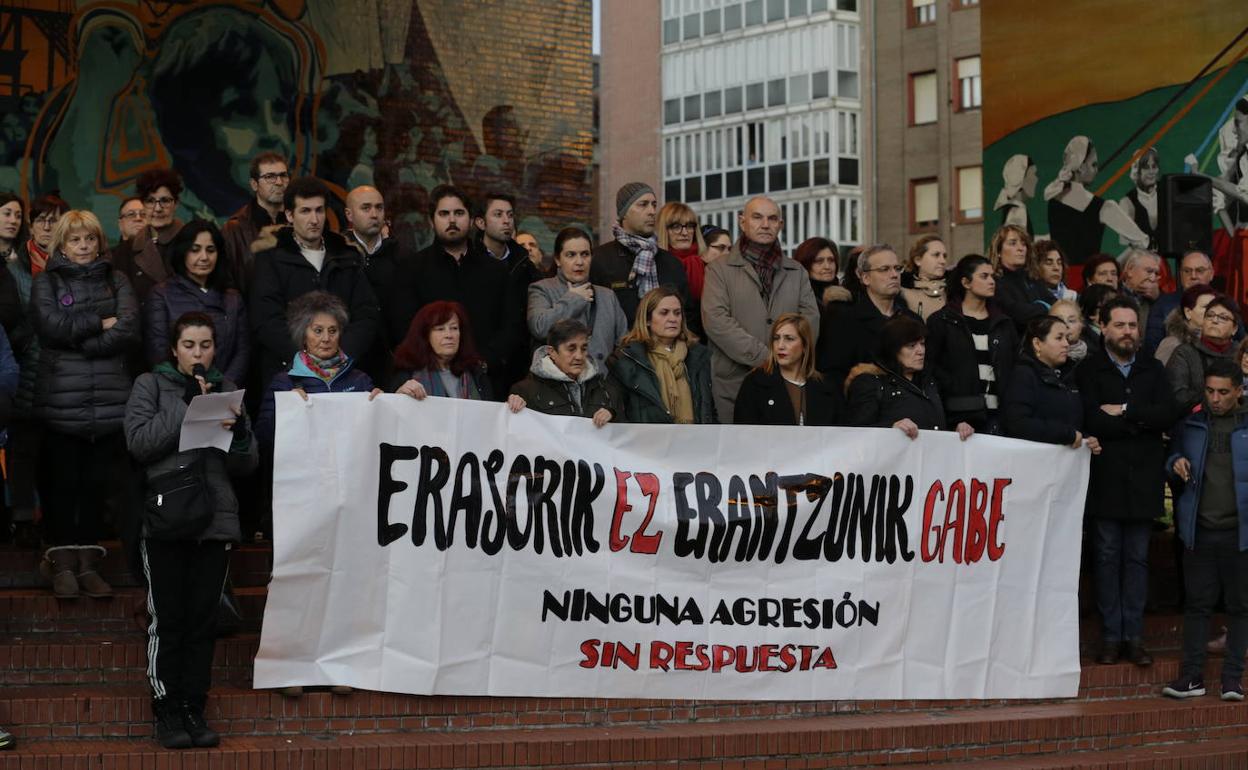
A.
pixel 58 567
pixel 88 577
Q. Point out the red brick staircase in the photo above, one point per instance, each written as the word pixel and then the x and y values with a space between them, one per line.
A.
pixel 72 691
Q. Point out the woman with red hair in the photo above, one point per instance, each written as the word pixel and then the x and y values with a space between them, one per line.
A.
pixel 438 356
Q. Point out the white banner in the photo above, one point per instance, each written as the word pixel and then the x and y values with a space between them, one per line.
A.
pixel 654 561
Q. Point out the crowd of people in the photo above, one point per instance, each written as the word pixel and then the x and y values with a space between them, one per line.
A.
pixel 102 349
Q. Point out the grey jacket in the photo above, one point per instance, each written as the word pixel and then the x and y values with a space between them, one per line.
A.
pixel 153 423
pixel 738 321
pixel 550 301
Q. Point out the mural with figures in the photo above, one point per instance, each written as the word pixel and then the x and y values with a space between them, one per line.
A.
pixel 1084 123
pixel 399 94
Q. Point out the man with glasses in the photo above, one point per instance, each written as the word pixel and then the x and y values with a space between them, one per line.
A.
pixel 632 263
pixel 1195 267
pixel 849 336
pixel 131 218
pixel 145 258
pixel 260 216
pixel 743 294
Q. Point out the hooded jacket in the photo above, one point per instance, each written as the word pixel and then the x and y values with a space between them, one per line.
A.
pixel 879 397
pixel 153 424
pixel 547 389
pixel 179 295
pixel 82 383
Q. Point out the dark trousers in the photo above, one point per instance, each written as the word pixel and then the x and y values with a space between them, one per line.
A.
pixel 77 478
pixel 184 584
pixel 1121 552
pixel 22 458
pixel 1215 566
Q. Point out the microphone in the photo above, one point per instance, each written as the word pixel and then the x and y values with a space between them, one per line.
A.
pixel 198 370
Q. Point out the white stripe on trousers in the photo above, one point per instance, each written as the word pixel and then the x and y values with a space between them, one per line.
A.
pixel 153 640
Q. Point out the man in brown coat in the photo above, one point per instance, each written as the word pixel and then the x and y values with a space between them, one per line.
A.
pixel 261 215
pixel 744 292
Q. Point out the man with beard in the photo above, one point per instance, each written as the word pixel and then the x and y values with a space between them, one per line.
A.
pixel 261 215
pixel 458 269
pixel 1128 405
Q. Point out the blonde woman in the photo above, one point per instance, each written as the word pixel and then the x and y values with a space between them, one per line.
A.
pixel 663 372
pixel 87 320
pixel 786 389
pixel 678 232
pixel 923 278
pixel 1009 252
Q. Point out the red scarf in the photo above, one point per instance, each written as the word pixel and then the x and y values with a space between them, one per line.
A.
pixel 38 257
pixel 695 269
pixel 1216 347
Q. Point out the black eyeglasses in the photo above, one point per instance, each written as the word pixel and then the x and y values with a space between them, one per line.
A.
pixel 272 177
pixel 160 202
pixel 682 225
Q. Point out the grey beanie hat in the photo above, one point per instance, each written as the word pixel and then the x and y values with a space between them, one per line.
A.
pixel 628 195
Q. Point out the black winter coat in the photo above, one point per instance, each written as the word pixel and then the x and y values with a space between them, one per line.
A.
pixel 639 385
pixel 82 384
pixel 848 333
pixel 1041 404
pixel 478 282
pixel 612 264
pixel 764 400
pixel 179 295
pixel 281 274
pixel 1013 296
pixel 879 397
pixel 955 365
pixel 382 269
pixel 1128 480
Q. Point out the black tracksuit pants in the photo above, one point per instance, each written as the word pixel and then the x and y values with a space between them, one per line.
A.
pixel 184 584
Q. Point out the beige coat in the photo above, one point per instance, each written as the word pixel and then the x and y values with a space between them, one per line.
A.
pixel 738 322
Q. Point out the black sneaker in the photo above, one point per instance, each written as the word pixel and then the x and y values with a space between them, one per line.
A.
pixel 1185 687
pixel 7 741
pixel 1232 689
pixel 203 736
pixel 170 732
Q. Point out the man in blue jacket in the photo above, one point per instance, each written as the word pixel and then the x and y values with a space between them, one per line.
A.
pixel 1209 452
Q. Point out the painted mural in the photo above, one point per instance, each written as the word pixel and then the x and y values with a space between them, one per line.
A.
pixel 402 95
pixel 1082 123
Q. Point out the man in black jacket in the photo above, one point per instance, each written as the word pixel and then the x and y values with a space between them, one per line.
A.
pixel 366 215
pixel 850 335
pixel 495 220
pixel 1128 405
pixel 632 263
pixel 306 257
pixel 456 268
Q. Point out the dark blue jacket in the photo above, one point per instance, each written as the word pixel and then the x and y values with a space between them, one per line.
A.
pixel 179 295
pixel 1190 440
pixel 1041 403
pixel 349 380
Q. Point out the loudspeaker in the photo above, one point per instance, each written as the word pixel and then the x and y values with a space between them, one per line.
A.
pixel 1185 208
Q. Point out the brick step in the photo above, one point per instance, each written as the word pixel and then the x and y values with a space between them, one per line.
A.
pixel 35 611
pixel 250 565
pixel 37 659
pixel 914 738
pixel 1202 755
pixel 119 707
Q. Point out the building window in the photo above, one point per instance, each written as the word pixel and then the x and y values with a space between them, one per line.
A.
pixel 922 12
pixel 960 4
pixel 732 100
pixel 924 204
pixel 710 22
pixel 971 194
pixel 732 17
pixel 671 112
pixel 711 104
pixel 753 12
pixel 922 98
pixel 775 93
pixel 693 107
pixel 847 5
pixel 755 96
pixel 847 171
pixel 797 7
pixel 775 10
pixel 693 26
pixel 970 95
pixel 819 85
pixel 671 31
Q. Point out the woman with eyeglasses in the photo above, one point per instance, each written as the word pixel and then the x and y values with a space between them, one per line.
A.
pixel 145 260
pixel 45 212
pixel 677 231
pixel 1186 367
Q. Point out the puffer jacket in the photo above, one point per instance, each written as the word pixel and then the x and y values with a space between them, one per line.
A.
pixel 639 385
pixel 348 380
pixel 180 295
pixel 548 390
pixel 153 424
pixel 82 384
pixel 879 397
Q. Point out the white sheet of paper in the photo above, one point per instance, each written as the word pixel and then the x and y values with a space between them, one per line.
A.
pixel 201 427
